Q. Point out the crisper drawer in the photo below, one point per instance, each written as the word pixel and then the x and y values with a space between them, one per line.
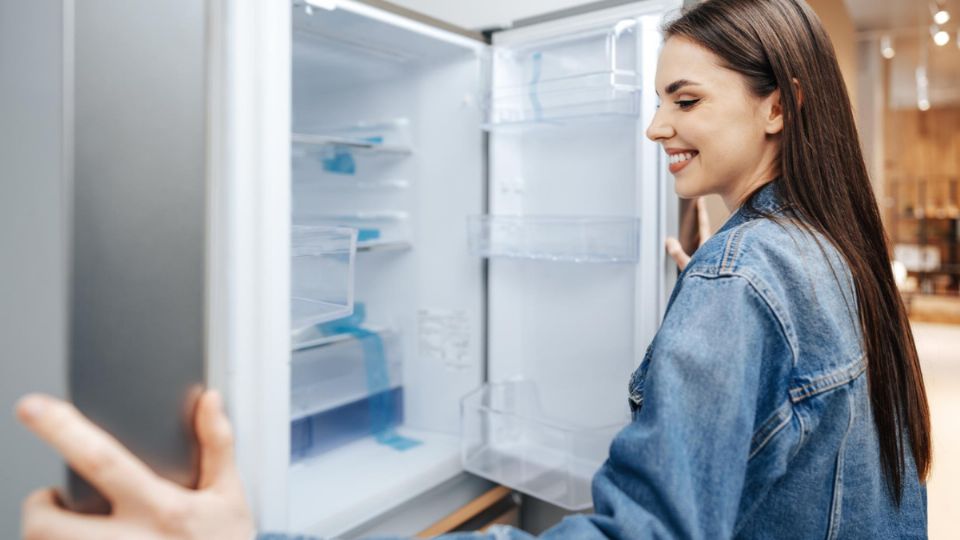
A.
pixel 507 438
pixel 344 387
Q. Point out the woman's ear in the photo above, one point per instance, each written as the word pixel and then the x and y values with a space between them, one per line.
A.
pixel 774 120
pixel 773 109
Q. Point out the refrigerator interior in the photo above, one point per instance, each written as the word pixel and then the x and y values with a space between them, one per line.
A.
pixel 388 123
pixel 386 143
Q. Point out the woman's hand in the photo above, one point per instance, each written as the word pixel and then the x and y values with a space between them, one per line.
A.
pixel 145 506
pixel 703 226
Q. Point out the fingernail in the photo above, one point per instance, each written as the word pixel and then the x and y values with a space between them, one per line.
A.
pixel 30 407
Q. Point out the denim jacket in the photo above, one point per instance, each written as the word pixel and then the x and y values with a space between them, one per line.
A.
pixel 751 415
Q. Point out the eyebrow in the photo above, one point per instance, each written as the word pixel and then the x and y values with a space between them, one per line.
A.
pixel 677 85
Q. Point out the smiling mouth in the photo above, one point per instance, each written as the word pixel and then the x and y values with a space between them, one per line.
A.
pixel 680 160
pixel 682 157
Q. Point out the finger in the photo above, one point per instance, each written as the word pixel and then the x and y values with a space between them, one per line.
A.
pixel 703 220
pixel 89 450
pixel 676 251
pixel 44 519
pixel 216 442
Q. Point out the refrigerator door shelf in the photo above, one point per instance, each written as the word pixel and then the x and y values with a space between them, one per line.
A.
pixel 565 77
pixel 322 272
pixel 507 438
pixel 556 238
pixel 562 101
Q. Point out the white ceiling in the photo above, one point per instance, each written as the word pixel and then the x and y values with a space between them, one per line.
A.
pixel 908 23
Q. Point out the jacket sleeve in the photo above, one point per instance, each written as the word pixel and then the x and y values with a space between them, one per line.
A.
pixel 678 469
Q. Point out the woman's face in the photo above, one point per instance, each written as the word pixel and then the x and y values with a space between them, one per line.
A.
pixel 719 137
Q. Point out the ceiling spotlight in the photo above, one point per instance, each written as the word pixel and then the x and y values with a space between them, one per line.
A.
pixel 886 47
pixel 941 38
pixel 941 17
pixel 923 88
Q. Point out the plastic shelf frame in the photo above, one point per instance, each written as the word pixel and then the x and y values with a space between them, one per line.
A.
pixel 322 275
pixel 385 138
pixel 505 437
pixel 556 238
pixel 376 231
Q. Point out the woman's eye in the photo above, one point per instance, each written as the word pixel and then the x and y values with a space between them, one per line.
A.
pixel 685 104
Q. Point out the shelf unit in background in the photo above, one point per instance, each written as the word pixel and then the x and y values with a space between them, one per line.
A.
pixel 925 218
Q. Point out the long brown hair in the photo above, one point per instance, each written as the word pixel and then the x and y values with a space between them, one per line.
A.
pixel 781 44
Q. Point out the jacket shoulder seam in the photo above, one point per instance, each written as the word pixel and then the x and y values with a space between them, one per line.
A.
pixel 770 304
pixel 828 381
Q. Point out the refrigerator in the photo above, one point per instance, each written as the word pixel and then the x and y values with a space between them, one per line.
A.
pixel 431 258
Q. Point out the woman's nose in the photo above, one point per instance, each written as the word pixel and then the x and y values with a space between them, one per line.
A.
pixel 658 129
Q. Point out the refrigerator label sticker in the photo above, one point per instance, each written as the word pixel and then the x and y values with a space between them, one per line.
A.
pixel 445 337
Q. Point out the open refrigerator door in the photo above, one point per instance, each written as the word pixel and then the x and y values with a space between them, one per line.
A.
pixel 578 210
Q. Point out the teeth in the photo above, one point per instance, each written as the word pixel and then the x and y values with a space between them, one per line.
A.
pixel 677 158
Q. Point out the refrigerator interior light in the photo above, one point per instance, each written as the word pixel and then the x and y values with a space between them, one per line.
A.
pixel 328 5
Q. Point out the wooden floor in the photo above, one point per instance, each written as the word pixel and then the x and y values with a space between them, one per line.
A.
pixel 939 348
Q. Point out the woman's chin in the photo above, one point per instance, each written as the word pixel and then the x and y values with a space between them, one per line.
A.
pixel 686 189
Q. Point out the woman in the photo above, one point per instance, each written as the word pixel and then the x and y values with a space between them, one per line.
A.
pixel 782 396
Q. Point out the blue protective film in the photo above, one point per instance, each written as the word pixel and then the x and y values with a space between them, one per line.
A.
pixel 382 403
pixel 365 235
pixel 341 162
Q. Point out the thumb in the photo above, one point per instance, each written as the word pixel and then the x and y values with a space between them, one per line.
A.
pixel 216 441
pixel 703 220
pixel 676 251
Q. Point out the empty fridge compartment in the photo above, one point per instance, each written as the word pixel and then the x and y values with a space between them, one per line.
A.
pixel 322 270
pixel 585 75
pixel 507 438
pixel 556 238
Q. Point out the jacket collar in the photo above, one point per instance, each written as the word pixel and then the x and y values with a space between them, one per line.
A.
pixel 765 201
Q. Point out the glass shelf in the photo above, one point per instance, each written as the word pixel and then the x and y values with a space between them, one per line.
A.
pixel 556 238
pixel 322 270
pixel 569 78
pixel 361 146
pixel 507 438
pixel 376 231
